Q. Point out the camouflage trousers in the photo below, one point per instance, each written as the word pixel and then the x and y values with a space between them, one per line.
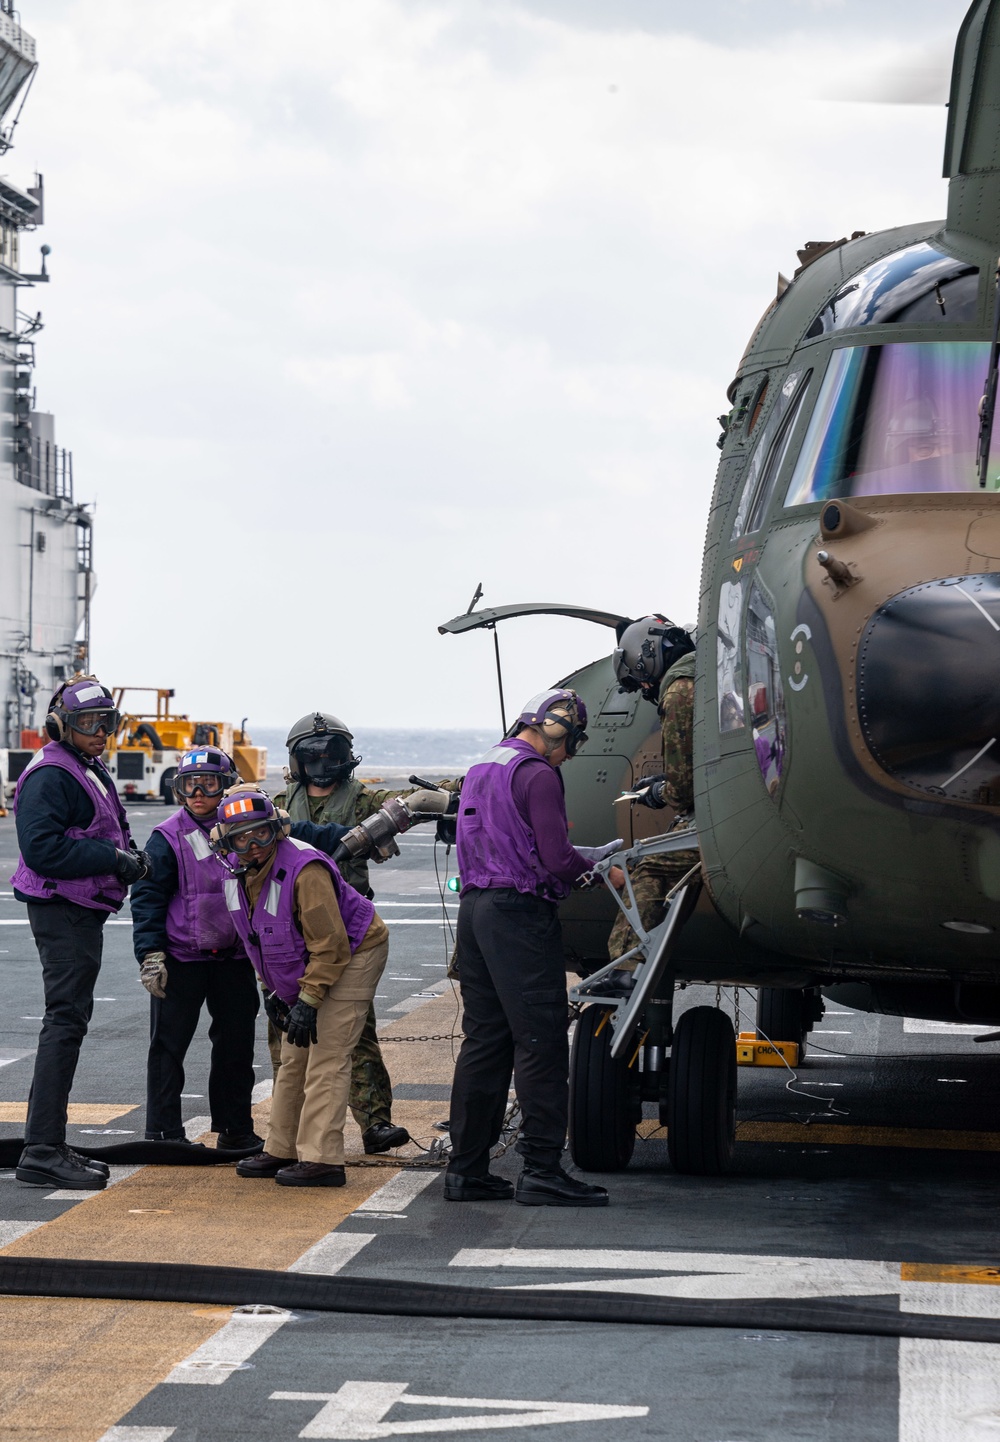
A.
pixel 652 878
pixel 371 1088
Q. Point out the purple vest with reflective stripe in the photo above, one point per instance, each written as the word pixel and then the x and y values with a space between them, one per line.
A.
pixel 273 941
pixel 101 893
pixel 199 923
pixel 495 844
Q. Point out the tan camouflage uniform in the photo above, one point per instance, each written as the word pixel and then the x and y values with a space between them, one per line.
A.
pixel 654 877
pixel 348 804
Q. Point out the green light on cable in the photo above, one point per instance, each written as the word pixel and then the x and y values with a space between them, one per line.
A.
pixel 454 883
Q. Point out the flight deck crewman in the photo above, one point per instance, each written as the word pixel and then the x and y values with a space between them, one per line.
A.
pixel 321 788
pixel 657 658
pixel 319 949
pixel 516 863
pixel 190 956
pixel 77 862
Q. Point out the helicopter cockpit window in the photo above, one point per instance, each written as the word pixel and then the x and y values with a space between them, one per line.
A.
pixel 729 673
pixel 770 451
pixel 916 286
pixel 765 692
pixel 895 419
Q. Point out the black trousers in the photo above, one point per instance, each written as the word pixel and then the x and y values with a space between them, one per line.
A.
pixel 69 940
pixel 513 977
pixel 229 990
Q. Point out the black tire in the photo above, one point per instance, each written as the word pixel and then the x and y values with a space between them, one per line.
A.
pixel 787 1014
pixel 701 1100
pixel 604 1106
pixel 167 787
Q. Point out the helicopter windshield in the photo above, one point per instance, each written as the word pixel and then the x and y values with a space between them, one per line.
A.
pixel 918 285
pixel 894 419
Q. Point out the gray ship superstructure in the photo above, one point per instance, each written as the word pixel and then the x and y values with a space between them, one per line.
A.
pixel 46 577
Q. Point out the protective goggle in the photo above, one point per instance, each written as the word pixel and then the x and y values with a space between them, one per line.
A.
pixel 207 782
pixel 324 748
pixel 89 723
pixel 261 835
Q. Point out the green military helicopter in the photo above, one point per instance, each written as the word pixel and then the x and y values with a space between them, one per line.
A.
pixel 847 732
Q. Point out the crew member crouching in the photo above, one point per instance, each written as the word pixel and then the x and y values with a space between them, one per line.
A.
pixel 319 949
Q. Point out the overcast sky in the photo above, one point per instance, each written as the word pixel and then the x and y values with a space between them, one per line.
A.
pixel 355 305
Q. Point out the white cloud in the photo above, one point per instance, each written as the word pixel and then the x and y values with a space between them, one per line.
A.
pixel 402 297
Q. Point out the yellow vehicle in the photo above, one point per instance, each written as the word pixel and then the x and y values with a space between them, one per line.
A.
pixel 143 755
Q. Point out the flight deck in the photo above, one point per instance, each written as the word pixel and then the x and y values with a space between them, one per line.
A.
pixel 870 1175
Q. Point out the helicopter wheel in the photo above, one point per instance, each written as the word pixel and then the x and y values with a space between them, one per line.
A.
pixel 701 1100
pixel 604 1105
pixel 788 1013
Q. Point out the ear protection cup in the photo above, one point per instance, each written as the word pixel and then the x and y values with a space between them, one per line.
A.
pixel 285 819
pixel 55 730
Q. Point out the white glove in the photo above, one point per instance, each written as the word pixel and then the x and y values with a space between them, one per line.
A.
pixel 427 800
pixel 153 973
pixel 593 854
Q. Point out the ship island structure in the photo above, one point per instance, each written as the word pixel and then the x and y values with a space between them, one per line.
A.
pixel 46 564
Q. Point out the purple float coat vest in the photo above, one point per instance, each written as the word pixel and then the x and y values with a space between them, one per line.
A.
pixel 199 923
pixel 273 941
pixel 103 892
pixel 495 845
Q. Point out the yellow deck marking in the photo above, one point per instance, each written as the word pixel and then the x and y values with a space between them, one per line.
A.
pixel 924 1138
pixel 948 1272
pixel 80 1113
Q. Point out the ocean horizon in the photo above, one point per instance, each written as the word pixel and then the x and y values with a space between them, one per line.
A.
pixel 391 748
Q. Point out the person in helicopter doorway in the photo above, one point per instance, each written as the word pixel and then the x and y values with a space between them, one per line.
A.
pixel 656 658
pixel 321 788
pixel 190 956
pixel 77 862
pixel 319 949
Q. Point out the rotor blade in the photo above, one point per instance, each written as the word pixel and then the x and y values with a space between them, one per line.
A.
pixel 922 78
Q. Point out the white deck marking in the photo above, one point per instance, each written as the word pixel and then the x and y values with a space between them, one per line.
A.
pixel 194 1128
pixel 138 1434
pixel 215 1360
pixel 14 1231
pixel 949 1389
pixel 397 1193
pixel 915 1026
pixel 709 1275
pixel 331 1253
pixel 262 1091
pixel 118 1174
pixel 355 1412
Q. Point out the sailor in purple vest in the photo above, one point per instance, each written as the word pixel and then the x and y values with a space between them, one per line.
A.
pixel 77 862
pixel 190 956
pixel 516 864
pixel 319 949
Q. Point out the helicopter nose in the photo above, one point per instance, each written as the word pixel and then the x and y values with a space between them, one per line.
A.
pixel 929 687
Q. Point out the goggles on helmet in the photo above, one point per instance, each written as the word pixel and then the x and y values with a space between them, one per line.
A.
pixel 324 759
pixel 207 782
pixel 89 723
pixel 262 834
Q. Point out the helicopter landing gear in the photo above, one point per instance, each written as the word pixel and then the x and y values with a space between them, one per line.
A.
pixel 788 1013
pixel 701 1099
pixel 604 1104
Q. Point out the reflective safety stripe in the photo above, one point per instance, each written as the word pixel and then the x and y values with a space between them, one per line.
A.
pixel 273 898
pixel 95 780
pixel 198 842
pixel 232 893
pixel 302 845
pixel 499 756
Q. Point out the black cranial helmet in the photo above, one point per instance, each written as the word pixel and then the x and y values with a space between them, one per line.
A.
pixel 646 650
pixel 319 750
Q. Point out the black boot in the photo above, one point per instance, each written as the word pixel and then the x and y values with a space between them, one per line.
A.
pixel 552 1187
pixel 91 1162
pixel 382 1137
pixel 617 983
pixel 249 1143
pixel 458 1188
pixel 55 1166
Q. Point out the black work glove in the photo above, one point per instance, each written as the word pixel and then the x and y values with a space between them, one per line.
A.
pixel 277 1010
pixel 132 866
pixel 300 1027
pixel 650 790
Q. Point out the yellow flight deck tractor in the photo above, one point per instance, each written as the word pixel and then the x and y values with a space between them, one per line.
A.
pixel 143 755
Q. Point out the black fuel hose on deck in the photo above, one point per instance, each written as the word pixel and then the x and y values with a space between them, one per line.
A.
pixel 366 1296
pixel 136 1154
